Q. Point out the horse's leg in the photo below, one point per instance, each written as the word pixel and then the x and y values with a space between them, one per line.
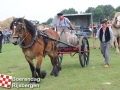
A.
pixel 119 42
pixel 116 44
pixel 34 75
pixel 56 66
pixel 41 74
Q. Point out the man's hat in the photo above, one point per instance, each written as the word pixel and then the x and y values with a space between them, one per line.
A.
pixel 60 14
pixel 103 21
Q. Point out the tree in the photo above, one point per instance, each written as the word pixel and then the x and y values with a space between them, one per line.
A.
pixel 101 12
pixel 118 9
pixel 69 11
pixel 112 14
pixel 89 10
pixel 108 10
pixel 98 14
pixel 100 6
pixel 49 21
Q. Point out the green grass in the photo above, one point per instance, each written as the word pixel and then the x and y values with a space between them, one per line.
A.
pixel 72 76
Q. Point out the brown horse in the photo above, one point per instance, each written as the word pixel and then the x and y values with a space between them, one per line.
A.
pixel 35 46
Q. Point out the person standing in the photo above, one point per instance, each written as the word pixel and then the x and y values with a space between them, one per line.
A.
pixel 105 34
pixel 94 34
pixel 1 37
pixel 6 32
pixel 90 27
pixel 98 26
pixel 63 24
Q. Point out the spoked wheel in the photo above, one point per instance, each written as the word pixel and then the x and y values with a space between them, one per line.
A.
pixel 84 51
pixel 60 57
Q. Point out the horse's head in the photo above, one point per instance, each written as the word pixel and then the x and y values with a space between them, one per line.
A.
pixel 18 28
pixel 117 19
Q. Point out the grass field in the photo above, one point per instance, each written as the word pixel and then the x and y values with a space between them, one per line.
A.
pixel 72 76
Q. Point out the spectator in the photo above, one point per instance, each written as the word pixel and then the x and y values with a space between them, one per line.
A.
pixel 1 37
pixel 5 37
pixel 90 27
pixel 81 28
pixel 94 35
pixel 99 26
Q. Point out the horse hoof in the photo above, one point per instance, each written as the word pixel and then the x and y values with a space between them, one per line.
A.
pixel 55 74
pixel 59 69
pixel 43 74
pixel 52 75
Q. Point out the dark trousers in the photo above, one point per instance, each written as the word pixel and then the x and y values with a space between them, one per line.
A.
pixel 0 44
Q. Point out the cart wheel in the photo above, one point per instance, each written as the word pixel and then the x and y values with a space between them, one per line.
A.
pixel 84 51
pixel 60 57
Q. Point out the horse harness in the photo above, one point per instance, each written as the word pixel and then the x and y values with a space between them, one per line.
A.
pixel 46 40
pixel 22 27
pixel 34 38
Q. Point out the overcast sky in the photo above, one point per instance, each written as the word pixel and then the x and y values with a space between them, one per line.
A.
pixel 42 10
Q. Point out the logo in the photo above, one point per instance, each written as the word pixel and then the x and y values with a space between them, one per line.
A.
pixel 9 81
pixel 5 81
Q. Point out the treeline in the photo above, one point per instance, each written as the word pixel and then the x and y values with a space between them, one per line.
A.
pixel 65 11
pixel 100 12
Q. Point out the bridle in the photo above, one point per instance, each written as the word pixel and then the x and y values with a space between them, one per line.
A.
pixel 20 29
pixel 116 23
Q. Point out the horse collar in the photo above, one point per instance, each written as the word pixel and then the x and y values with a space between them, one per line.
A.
pixel 30 44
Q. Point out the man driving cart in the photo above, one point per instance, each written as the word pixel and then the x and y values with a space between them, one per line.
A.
pixel 64 24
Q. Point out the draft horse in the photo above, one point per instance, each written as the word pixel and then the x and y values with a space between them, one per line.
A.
pixel 33 46
pixel 116 31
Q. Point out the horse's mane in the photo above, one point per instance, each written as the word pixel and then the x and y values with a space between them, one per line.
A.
pixel 29 25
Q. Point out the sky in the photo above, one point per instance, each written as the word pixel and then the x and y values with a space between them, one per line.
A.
pixel 42 10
